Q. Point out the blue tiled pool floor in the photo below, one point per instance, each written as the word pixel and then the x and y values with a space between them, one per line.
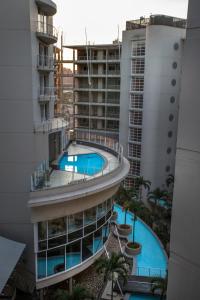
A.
pixel 88 164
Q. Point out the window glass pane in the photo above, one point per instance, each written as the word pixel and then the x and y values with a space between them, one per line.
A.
pixel 55 260
pixel 41 264
pixel 75 222
pixel 56 227
pixel 100 222
pixel 42 230
pixel 109 204
pixel 57 241
pixel 75 235
pixel 108 215
pixel 98 241
pixel 101 210
pixel 87 247
pixel 90 215
pixel 105 232
pixel 73 254
pixel 89 228
pixel 42 245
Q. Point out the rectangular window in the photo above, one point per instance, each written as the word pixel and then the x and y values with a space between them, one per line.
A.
pixel 135 134
pixel 135 118
pixel 134 150
pixel 138 48
pixel 75 222
pixel 136 101
pixel 134 168
pixel 56 227
pixel 137 84
pixel 137 66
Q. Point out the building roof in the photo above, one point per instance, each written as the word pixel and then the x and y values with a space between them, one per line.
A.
pixel 95 46
pixel 156 20
pixel 10 252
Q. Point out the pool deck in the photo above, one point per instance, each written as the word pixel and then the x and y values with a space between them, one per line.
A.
pixel 59 178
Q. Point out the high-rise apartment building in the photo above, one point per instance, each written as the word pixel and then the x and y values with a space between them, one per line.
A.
pixel 61 214
pixel 149 96
pixel 184 262
pixel 96 90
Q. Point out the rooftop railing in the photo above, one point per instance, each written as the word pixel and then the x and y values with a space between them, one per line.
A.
pixel 45 178
pixel 156 20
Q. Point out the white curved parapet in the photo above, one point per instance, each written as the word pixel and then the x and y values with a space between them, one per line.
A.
pixel 65 186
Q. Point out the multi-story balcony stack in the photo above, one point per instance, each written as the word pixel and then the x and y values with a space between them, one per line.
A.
pixel 96 90
pixel 30 135
pixel 149 95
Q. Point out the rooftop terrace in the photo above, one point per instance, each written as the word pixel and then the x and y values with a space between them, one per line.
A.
pixel 156 20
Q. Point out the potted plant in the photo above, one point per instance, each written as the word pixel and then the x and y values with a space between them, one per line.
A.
pixel 133 248
pixel 125 229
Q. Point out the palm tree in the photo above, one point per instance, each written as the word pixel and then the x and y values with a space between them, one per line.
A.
pixel 143 183
pixel 78 293
pixel 124 194
pixel 115 264
pixel 159 283
pixel 157 195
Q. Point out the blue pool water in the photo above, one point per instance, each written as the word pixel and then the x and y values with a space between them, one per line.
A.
pixel 152 260
pixel 89 164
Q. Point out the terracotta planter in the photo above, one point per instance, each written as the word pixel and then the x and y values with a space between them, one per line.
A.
pixel 124 229
pixel 114 216
pixel 133 249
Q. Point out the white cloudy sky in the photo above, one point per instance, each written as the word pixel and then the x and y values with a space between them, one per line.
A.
pixel 101 18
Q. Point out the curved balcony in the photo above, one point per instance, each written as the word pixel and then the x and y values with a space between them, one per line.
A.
pixel 47 94
pixel 48 7
pixel 45 63
pixel 47 33
pixel 69 244
pixel 62 186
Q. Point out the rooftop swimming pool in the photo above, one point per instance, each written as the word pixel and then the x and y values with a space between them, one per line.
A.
pixel 88 164
pixel 152 260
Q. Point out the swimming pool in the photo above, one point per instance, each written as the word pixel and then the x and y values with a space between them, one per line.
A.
pixel 152 260
pixel 88 164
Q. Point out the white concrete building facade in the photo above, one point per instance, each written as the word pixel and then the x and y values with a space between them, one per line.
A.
pixel 149 95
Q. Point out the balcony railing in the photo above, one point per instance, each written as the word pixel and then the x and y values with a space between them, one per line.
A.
pixel 95 86
pixel 47 94
pixel 95 57
pixel 46 32
pixel 50 125
pixel 45 62
pixel 97 73
pixel 42 179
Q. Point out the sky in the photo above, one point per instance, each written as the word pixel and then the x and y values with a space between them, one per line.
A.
pixel 101 19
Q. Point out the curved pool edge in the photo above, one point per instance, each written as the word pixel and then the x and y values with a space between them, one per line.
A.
pixel 152 232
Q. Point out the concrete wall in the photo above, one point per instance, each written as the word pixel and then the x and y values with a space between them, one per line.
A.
pixel 158 89
pixel 184 266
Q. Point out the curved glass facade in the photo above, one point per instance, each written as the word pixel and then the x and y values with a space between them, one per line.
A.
pixel 68 241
